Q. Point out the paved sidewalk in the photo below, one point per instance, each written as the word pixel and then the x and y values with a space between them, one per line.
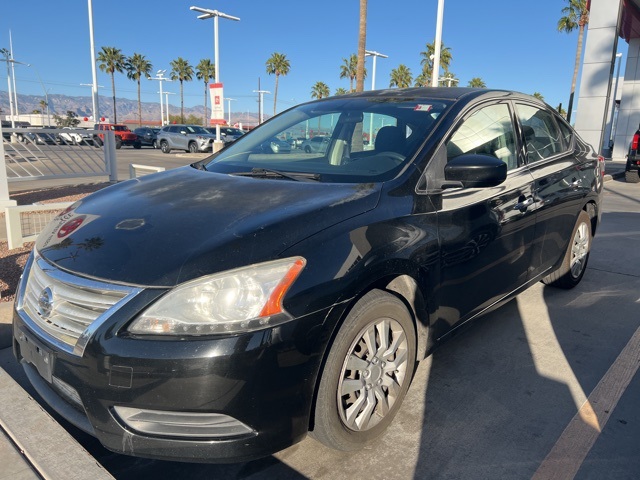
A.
pixel 32 444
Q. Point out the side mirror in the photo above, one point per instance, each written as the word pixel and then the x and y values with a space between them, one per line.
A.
pixel 474 171
pixel 183 132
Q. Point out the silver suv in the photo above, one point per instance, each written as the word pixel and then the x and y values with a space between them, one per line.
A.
pixel 190 138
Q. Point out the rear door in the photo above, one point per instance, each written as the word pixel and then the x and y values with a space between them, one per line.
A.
pixel 561 181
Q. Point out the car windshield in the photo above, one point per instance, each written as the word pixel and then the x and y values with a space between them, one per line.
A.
pixel 119 128
pixel 363 139
pixel 195 129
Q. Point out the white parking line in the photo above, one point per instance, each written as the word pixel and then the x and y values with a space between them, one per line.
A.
pixel 570 450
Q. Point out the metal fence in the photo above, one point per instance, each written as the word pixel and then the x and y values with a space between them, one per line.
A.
pixel 44 153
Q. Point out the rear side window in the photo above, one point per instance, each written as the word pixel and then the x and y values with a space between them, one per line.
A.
pixel 488 131
pixel 567 134
pixel 541 135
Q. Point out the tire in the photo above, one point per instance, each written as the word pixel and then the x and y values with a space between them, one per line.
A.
pixel 164 146
pixel 193 147
pixel 155 144
pixel 357 362
pixel 97 142
pixel 137 145
pixel 632 176
pixel 576 257
pixel 118 143
pixel 307 149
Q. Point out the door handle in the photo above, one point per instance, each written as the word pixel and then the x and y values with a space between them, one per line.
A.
pixel 524 204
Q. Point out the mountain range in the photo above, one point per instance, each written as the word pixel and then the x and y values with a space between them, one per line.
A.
pixel 127 109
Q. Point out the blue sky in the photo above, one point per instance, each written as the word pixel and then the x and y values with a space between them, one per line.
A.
pixel 511 45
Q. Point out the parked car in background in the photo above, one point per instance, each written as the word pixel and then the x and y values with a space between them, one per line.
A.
pixel 123 135
pixel 74 136
pixel 190 138
pixel 148 136
pixel 39 138
pixel 227 134
pixel 274 145
pixel 632 167
pixel 220 311
pixel 317 144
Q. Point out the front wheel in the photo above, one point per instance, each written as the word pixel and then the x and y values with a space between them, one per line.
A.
pixel 576 257
pixel 367 373
pixel 632 176
pixel 193 147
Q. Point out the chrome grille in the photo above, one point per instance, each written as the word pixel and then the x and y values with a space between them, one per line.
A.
pixel 66 309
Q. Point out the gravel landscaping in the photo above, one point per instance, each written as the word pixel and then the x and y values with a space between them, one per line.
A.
pixel 12 261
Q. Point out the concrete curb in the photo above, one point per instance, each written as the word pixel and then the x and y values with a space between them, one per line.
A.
pixel 47 447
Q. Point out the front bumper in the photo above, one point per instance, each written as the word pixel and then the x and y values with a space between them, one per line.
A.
pixel 263 380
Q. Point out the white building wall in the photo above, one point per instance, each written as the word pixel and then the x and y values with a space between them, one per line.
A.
pixel 597 70
pixel 629 114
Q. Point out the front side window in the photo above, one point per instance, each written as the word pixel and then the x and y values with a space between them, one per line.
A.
pixel 350 140
pixel 488 131
pixel 542 137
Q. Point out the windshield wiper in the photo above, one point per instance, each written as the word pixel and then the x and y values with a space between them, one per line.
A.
pixel 198 166
pixel 270 173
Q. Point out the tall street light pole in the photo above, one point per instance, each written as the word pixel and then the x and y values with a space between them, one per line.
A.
pixel 12 96
pixel 166 98
pixel 230 100
pixel 438 45
pixel 161 78
pixel 94 73
pixel 206 14
pixel 375 55
pixel 96 115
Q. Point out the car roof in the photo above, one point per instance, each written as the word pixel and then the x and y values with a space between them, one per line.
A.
pixel 437 93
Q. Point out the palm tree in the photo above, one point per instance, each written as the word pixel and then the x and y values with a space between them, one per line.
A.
pixel 181 70
pixel 561 111
pixel 111 60
pixel 477 82
pixel 138 66
pixel 341 91
pixel 320 90
pixel 576 15
pixel 538 95
pixel 400 77
pixel 362 40
pixel 277 65
pixel 427 62
pixel 205 71
pixel 348 69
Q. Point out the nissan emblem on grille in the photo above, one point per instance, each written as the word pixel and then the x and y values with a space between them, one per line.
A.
pixel 45 303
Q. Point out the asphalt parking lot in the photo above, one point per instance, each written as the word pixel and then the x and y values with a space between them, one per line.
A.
pixel 545 387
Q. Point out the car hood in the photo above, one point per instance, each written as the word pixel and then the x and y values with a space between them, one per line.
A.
pixel 167 228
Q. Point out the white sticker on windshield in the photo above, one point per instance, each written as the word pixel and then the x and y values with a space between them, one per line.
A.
pixel 423 108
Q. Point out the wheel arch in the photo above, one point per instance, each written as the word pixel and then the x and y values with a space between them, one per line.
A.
pixel 404 287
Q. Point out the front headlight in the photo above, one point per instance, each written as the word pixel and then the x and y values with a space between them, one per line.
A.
pixel 236 301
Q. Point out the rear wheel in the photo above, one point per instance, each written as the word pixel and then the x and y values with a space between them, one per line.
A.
pixel 137 145
pixel 118 143
pixel 576 257
pixel 632 176
pixel 155 144
pixel 97 141
pixel 164 146
pixel 367 373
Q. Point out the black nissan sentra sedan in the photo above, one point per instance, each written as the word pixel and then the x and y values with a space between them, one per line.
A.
pixel 220 311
